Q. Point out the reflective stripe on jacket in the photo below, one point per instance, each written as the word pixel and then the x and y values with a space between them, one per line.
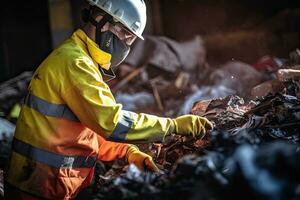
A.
pixel 66 116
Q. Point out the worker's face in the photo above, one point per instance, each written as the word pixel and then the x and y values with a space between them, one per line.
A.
pixel 115 40
pixel 120 31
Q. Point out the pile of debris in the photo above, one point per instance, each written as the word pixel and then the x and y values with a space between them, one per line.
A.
pixel 256 172
pixel 169 77
pixel 253 150
pixel 11 94
pixel 13 91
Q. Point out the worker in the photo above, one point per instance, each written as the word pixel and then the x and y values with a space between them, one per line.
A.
pixel 70 119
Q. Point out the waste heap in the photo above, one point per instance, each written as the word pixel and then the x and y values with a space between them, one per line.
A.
pixel 11 94
pixel 253 153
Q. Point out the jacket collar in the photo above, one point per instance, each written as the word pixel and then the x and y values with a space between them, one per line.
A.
pixel 91 48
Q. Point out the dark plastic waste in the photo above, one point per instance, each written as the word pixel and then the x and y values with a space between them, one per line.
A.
pixel 258 159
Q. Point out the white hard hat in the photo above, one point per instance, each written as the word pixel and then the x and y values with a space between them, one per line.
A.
pixel 131 13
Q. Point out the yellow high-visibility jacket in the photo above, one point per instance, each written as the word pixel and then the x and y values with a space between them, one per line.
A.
pixel 68 108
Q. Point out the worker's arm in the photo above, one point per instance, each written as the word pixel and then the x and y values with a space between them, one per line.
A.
pixel 89 97
pixel 109 151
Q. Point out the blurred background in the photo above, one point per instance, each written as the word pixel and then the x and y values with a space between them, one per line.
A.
pixel 231 29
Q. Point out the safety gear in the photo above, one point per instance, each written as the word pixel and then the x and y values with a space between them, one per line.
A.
pixel 113 41
pixel 192 125
pixel 56 142
pixel 100 57
pixel 130 13
pixel 110 43
pixel 123 34
pixel 117 28
pixel 141 160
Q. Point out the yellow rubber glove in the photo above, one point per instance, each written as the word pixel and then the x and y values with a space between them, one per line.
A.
pixel 141 160
pixel 192 125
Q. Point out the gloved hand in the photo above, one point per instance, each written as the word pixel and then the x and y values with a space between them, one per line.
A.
pixel 142 160
pixel 192 125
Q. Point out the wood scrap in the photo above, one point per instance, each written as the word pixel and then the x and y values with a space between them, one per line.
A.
pixel 128 78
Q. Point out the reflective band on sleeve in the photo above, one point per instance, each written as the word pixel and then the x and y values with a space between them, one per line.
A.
pixel 50 109
pixel 123 126
pixel 52 159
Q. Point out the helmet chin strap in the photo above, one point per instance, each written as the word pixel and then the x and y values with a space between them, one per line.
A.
pixel 106 18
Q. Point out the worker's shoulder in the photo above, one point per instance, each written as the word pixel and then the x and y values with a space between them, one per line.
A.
pixel 73 54
pixel 69 51
pixel 68 60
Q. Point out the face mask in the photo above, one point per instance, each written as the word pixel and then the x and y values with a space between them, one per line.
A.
pixel 111 44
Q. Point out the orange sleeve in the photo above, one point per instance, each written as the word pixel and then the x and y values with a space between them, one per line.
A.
pixel 109 151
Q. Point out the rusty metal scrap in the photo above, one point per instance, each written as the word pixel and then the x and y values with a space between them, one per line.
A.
pixel 224 112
